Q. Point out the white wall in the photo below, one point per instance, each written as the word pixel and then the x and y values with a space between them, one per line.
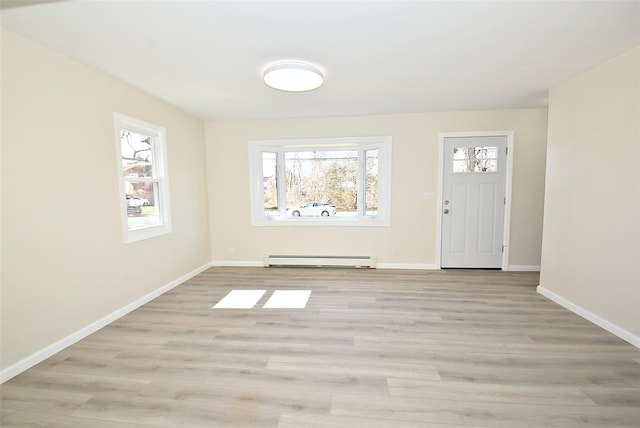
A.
pixel 591 241
pixel 64 263
pixel 415 169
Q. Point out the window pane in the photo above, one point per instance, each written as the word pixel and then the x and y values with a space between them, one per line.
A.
pixel 137 160
pixel 460 153
pixel 475 159
pixel 460 166
pixel 325 176
pixel 269 178
pixel 488 152
pixel 371 182
pixel 142 211
pixel 488 165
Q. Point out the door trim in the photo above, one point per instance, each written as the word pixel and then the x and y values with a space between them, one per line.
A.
pixel 507 189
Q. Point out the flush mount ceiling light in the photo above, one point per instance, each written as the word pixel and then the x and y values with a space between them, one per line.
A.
pixel 293 76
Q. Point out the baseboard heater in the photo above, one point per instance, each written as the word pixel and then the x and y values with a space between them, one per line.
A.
pixel 321 261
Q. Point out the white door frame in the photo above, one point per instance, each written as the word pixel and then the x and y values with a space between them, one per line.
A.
pixel 508 186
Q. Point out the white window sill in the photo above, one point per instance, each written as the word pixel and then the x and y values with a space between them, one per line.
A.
pixel 145 233
pixel 306 222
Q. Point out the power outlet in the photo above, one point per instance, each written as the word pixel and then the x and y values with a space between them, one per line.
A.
pixel 394 252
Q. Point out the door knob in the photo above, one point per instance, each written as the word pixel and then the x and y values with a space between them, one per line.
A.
pixel 446 211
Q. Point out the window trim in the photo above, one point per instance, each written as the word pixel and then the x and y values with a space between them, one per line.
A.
pixel 256 147
pixel 158 134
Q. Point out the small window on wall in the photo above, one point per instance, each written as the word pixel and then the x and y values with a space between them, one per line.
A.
pixel 142 171
pixel 336 181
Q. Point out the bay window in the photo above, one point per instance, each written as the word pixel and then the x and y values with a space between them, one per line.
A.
pixel 335 181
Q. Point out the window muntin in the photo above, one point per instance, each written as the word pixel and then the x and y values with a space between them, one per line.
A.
pixel 143 179
pixel 347 178
pixel 475 159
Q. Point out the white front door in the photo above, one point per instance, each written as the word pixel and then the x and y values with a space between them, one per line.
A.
pixel 473 201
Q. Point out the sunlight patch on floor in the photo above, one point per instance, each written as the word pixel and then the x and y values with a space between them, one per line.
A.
pixel 240 299
pixel 280 299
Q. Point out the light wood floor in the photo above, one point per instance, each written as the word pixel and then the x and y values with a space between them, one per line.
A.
pixel 373 348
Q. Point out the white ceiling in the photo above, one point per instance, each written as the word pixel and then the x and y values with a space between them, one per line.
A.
pixel 207 57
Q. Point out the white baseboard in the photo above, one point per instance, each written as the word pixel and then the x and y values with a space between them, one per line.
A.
pixel 523 268
pixel 236 263
pixel 590 316
pixel 41 355
pixel 417 266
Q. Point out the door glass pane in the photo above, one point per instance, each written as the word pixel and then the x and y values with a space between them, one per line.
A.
pixel 487 165
pixel 460 153
pixel 475 159
pixel 488 152
pixel 460 166
pixel 270 182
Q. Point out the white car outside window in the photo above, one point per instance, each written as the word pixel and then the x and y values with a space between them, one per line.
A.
pixel 312 209
pixel 135 201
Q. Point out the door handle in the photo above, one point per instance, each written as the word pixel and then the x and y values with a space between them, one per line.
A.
pixel 446 211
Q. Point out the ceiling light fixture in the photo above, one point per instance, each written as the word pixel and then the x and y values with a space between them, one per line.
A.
pixel 293 76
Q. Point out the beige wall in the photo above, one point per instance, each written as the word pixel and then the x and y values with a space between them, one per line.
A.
pixel 64 264
pixel 415 171
pixel 591 244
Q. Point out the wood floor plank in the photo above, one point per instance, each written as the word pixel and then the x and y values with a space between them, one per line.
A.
pixel 24 419
pixel 18 397
pixel 397 410
pixel 167 412
pixel 353 367
pixel 491 392
pixel 43 379
pixel 372 348
pixel 301 420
